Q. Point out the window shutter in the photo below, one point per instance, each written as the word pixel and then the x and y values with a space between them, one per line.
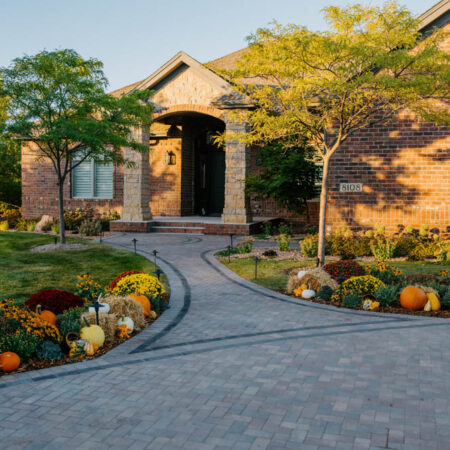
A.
pixel 82 180
pixel 103 180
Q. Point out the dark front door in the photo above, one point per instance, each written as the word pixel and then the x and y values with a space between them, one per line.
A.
pixel 210 184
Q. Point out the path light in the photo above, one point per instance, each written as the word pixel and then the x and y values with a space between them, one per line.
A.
pixel 97 305
pixel 134 240
pixel 155 252
pixel 56 240
pixel 101 236
pixel 257 260
pixel 229 253
pixel 158 273
pixel 231 240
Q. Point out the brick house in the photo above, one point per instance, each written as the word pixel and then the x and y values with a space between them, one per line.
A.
pixel 401 176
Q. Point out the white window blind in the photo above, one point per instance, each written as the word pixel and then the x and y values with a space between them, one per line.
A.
pixel 92 180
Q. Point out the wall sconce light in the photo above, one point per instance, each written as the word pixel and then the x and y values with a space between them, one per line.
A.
pixel 170 158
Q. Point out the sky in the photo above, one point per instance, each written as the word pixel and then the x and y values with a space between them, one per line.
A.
pixel 133 38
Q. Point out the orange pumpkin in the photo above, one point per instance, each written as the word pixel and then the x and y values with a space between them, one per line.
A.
pixel 413 298
pixel 47 315
pixel 9 361
pixel 143 301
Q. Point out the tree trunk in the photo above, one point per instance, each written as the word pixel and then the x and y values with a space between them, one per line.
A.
pixel 323 213
pixel 62 229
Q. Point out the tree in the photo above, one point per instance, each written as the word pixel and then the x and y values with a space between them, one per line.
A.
pixel 323 87
pixel 9 162
pixel 57 101
pixel 288 177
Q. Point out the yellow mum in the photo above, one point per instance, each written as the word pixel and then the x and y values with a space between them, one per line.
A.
pixel 139 283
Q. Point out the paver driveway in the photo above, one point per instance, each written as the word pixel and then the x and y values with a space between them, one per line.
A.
pixel 232 365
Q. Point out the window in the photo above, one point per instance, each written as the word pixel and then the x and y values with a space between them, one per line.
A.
pixel 92 179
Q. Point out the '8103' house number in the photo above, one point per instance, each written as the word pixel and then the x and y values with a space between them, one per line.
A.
pixel 350 187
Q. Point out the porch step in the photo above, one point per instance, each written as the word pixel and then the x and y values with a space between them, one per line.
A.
pixel 177 229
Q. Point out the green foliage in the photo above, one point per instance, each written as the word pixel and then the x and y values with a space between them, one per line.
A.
pixel 425 249
pixel 74 217
pixel 267 229
pixel 309 245
pixel 55 228
pixel 105 219
pixel 225 252
pixel 325 293
pixel 288 177
pixel 58 101
pixel 351 301
pixel 445 300
pixel 69 321
pixel 158 304
pixel 388 295
pixel 383 248
pixel 285 228
pixel 405 245
pixel 443 252
pixel 244 246
pixel 4 226
pixel 90 228
pixel 49 351
pixel 283 241
pixel 22 343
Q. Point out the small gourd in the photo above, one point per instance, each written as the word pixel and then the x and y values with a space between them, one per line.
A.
pixel 47 315
pixel 143 301
pixel 104 308
pixel 93 334
pixel 9 361
pixel 75 351
pixel 128 321
pixel 427 306
pixel 152 315
pixel 434 302
pixel 90 348
pixel 308 293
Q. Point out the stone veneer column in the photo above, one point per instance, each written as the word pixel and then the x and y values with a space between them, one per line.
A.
pixel 237 167
pixel 136 183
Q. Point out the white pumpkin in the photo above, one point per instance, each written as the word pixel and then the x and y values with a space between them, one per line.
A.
pixel 427 306
pixel 128 321
pixel 308 293
pixel 105 308
pixel 301 273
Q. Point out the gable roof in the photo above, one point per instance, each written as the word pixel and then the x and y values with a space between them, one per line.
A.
pixel 437 16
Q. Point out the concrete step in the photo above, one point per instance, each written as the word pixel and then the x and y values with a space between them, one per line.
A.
pixel 177 229
pixel 177 224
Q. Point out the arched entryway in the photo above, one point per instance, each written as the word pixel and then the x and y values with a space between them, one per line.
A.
pixel 187 168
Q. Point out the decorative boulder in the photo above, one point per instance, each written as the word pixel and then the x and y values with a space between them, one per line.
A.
pixel 45 220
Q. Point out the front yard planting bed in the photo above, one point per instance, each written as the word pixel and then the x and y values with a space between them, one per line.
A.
pixel 389 279
pixel 48 301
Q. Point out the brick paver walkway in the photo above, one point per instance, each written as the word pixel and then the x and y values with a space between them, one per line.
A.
pixel 234 366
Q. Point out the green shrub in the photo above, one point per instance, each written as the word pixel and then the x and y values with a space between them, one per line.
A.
pixel 231 251
pixel 4 226
pixel 405 245
pixel 244 246
pixel 285 228
pixel 31 225
pixel 158 304
pixel 309 246
pixel 22 343
pixel 106 219
pixel 55 228
pixel 70 321
pixel 351 301
pixel 49 351
pixel 445 300
pixel 383 248
pixel 325 293
pixel 90 227
pixel 283 241
pixel 267 229
pixel 388 295
pixel 10 213
pixel 424 250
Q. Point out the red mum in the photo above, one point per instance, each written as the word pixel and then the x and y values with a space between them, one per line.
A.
pixel 343 270
pixel 54 300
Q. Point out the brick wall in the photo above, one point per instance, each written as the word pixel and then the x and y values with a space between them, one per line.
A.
pixel 40 192
pixel 405 170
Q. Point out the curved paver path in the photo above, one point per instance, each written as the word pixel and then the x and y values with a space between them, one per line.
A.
pixel 233 365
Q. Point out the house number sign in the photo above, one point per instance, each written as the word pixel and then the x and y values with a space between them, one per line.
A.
pixel 350 187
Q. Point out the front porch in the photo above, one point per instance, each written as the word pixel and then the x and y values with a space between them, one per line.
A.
pixel 191 225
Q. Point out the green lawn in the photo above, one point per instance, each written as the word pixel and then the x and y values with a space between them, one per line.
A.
pixel 23 273
pixel 274 274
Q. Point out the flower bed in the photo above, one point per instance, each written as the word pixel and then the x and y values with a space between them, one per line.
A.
pixel 57 327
